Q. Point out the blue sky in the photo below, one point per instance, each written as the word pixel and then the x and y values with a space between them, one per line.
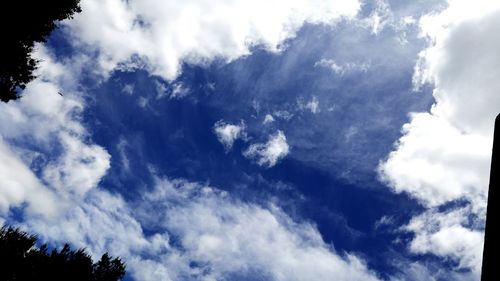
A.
pixel 271 140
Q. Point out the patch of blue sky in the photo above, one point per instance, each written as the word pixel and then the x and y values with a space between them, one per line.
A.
pixel 329 174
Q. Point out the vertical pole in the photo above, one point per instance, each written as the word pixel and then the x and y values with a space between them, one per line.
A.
pixel 491 237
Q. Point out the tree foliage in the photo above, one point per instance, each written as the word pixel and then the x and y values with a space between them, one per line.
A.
pixel 21 260
pixel 22 23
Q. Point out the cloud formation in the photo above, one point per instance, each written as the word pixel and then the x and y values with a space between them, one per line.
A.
pixel 449 235
pixel 43 131
pixel 444 155
pixel 219 237
pixel 312 105
pixel 269 153
pixel 341 69
pixel 227 133
pixel 21 186
pixel 268 119
pixel 227 237
pixel 161 35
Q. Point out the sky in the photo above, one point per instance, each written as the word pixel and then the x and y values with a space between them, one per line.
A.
pixel 261 140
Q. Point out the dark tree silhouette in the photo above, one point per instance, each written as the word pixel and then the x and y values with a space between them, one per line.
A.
pixel 492 231
pixel 21 260
pixel 22 23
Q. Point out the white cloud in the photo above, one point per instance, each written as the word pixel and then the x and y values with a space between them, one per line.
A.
pixel 437 163
pixel 161 89
pixel 455 137
pixel 227 133
pixel 179 91
pixel 128 89
pixel 460 67
pixel 428 271
pixel 20 185
pixel 444 154
pixel 47 160
pixel 163 34
pixel 176 90
pixel 313 105
pixel 51 124
pixel 122 147
pixel 40 113
pixel 103 222
pixel 283 114
pixel 268 119
pixel 79 168
pixel 81 164
pixel 227 237
pixel 448 235
pixel 344 68
pixel 143 102
pixel 330 63
pixel 379 17
pixel 269 153
pixel 382 17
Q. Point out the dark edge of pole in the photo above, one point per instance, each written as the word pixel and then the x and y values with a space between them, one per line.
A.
pixel 491 234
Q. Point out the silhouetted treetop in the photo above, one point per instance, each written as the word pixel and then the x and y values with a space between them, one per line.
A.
pixel 21 260
pixel 22 23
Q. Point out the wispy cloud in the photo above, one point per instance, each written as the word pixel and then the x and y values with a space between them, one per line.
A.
pixel 311 105
pixel 179 91
pixel 228 133
pixel 268 154
pixel 344 68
